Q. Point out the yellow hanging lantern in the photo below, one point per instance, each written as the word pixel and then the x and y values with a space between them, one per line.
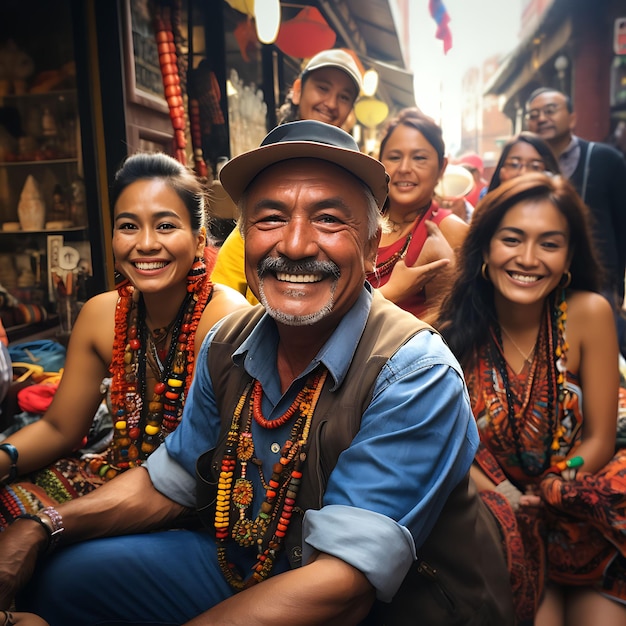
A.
pixel 371 112
pixel 243 6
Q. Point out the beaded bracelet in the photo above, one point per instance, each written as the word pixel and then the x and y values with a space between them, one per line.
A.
pixel 36 518
pixel 11 450
pixel 56 524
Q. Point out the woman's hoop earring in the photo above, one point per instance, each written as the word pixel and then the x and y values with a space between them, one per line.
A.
pixel 568 279
pixel 483 272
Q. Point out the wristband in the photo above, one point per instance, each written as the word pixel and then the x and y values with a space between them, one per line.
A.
pixel 36 518
pixel 56 527
pixel 11 450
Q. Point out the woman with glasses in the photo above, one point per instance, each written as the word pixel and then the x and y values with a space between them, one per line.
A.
pixel 525 153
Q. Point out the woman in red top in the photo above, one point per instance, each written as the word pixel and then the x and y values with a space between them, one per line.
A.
pixel 418 246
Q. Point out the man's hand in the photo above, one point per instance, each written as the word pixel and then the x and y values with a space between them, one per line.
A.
pixel 20 545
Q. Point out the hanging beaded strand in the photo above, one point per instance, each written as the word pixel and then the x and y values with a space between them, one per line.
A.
pixel 561 349
pixel 555 353
pixel 281 491
pixel 385 267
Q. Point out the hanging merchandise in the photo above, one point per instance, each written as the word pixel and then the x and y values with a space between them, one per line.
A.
pixel 306 34
pixel 166 23
pixel 209 136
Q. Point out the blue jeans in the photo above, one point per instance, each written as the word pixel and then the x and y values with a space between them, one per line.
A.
pixel 163 579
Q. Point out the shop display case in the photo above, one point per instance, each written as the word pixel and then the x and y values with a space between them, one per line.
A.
pixel 45 244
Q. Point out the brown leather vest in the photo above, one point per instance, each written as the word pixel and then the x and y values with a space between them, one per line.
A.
pixel 336 421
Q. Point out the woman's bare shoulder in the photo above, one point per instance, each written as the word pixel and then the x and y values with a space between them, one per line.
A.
pixel 586 305
pixel 224 300
pixel 454 229
pixel 100 306
pixel 227 296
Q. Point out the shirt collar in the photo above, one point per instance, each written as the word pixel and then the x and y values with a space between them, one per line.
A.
pixel 259 349
pixel 568 161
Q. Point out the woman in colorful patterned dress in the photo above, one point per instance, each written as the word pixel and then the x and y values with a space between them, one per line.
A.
pixel 144 335
pixel 420 241
pixel 539 350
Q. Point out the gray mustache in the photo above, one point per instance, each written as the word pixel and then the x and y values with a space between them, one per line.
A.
pixel 281 264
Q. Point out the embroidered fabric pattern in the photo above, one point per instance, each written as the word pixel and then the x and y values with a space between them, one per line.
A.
pixel 535 406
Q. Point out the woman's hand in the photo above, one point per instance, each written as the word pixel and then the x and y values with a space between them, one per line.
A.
pixel 406 280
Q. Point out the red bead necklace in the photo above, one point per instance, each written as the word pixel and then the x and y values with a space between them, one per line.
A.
pixel 141 425
pixel 257 396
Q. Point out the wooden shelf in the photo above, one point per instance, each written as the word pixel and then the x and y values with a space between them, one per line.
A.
pixel 70 229
pixel 55 93
pixel 38 162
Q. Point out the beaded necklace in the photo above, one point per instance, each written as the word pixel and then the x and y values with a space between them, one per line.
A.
pixel 555 353
pixel 235 492
pixel 140 426
pixel 385 267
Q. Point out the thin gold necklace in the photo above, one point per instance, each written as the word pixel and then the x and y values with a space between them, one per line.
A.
pixel 527 357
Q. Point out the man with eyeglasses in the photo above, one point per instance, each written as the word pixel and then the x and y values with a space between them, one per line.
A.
pixel 598 172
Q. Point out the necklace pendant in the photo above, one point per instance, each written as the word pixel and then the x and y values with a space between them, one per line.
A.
pixel 242 533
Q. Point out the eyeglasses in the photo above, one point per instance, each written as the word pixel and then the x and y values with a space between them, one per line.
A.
pixel 549 110
pixel 516 165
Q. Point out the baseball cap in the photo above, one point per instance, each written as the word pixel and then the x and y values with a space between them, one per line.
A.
pixel 307 139
pixel 471 159
pixel 339 59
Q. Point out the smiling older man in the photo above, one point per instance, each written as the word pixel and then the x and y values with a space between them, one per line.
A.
pixel 330 432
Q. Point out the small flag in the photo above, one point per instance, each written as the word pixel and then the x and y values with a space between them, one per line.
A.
pixel 440 15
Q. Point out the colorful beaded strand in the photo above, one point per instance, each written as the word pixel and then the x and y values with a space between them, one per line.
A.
pixel 280 494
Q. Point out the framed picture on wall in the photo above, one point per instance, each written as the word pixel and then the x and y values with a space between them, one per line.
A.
pixel 144 82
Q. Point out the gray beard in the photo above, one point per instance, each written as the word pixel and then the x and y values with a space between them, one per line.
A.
pixel 296 320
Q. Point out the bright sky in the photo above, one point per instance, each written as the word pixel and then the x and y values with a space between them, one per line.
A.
pixel 480 29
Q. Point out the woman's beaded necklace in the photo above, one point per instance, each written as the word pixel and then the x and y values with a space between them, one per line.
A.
pixel 385 267
pixel 235 492
pixel 555 353
pixel 141 426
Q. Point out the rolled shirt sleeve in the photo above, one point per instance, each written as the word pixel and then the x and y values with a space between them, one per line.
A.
pixel 417 441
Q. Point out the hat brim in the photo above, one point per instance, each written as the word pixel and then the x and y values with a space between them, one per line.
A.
pixel 239 172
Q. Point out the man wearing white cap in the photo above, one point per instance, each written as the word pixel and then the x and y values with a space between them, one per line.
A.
pixel 325 91
pixel 326 443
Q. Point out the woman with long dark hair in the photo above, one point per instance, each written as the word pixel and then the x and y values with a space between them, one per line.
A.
pixel 539 350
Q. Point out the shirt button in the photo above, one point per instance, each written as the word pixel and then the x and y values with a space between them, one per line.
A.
pixel 275 448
